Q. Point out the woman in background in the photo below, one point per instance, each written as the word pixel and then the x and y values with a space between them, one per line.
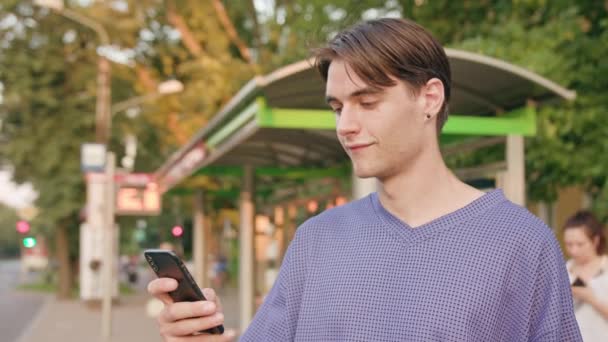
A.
pixel 585 242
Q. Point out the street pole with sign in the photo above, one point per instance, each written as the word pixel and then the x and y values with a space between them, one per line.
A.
pixel 109 252
pixel 98 245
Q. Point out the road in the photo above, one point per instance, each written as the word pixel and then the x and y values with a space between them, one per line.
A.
pixel 17 309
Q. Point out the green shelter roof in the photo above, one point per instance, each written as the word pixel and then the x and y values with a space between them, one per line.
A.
pixel 281 119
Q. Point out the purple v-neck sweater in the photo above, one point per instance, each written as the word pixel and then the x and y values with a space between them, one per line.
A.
pixel 490 271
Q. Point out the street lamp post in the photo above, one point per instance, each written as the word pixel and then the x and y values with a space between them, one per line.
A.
pixel 165 88
pixel 102 214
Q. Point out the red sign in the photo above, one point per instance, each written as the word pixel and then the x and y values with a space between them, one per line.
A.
pixel 120 179
pixel 133 179
pixel 23 227
pixel 138 201
pixel 177 231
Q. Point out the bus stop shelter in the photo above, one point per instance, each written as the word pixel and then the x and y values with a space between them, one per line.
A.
pixel 279 127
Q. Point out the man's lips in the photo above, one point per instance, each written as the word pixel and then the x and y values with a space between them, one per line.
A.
pixel 357 147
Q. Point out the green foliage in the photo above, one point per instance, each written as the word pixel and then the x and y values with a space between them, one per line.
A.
pixel 210 77
pixel 9 238
pixel 288 31
pixel 46 109
pixel 565 42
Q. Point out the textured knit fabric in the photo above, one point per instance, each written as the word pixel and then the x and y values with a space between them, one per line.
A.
pixel 490 271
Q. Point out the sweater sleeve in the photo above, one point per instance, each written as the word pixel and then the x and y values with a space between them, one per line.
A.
pixel 552 314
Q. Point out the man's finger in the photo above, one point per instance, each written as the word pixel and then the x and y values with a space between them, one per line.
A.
pixel 186 310
pixel 160 288
pixel 189 326
pixel 210 295
pixel 227 336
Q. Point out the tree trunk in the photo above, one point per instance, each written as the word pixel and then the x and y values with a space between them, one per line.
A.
pixel 64 285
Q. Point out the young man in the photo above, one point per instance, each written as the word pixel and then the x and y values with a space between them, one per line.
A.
pixel 427 257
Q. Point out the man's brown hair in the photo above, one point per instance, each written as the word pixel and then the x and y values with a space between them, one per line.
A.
pixel 377 50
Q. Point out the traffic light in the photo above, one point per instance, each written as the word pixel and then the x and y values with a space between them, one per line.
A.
pixel 177 231
pixel 29 242
pixel 23 227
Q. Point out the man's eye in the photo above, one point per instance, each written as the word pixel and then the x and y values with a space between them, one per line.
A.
pixel 368 104
pixel 338 110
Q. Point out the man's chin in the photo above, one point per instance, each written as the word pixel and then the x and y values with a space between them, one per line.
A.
pixel 361 172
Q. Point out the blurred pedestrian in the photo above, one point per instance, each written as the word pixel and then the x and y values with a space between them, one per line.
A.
pixel 220 272
pixel 585 240
pixel 129 266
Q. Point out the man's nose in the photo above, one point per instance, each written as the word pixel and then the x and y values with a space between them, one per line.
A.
pixel 347 122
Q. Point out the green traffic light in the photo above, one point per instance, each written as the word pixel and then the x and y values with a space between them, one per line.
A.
pixel 29 242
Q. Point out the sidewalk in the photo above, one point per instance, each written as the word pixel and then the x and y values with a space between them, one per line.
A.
pixel 72 321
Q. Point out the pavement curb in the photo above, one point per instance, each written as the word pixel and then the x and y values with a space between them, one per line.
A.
pixel 27 332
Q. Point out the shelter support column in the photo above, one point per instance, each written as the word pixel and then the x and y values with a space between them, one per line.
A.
pixel 544 213
pixel 281 226
pixel 246 245
pixel 514 179
pixel 290 228
pixel 199 240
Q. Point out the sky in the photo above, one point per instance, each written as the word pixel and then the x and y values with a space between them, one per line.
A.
pixel 13 195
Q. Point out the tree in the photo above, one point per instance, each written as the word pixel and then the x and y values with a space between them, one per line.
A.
pixel 185 40
pixel 566 43
pixel 561 40
pixel 47 110
pixel 9 238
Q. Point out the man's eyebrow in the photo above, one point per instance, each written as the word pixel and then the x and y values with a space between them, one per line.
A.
pixel 357 93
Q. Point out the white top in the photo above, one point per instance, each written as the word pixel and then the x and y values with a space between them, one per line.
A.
pixel 594 327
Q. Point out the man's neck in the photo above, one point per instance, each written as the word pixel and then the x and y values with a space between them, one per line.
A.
pixel 426 190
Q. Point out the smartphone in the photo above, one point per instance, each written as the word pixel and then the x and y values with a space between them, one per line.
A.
pixel 578 282
pixel 168 265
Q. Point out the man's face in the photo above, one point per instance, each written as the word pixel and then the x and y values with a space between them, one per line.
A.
pixel 381 129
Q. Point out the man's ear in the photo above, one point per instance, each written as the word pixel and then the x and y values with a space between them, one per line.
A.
pixel 433 95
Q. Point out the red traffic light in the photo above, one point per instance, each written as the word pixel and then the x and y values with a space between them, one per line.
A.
pixel 23 227
pixel 177 231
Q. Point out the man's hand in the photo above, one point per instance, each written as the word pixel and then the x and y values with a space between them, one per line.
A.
pixel 180 321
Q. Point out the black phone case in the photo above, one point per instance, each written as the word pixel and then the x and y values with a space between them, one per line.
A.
pixel 168 265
